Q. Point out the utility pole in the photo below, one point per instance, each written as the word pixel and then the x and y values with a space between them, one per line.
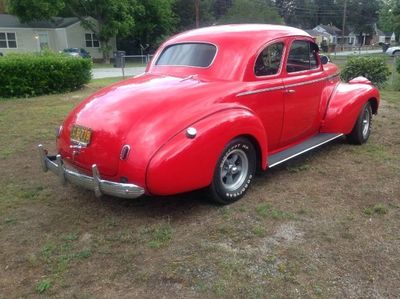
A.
pixel 197 11
pixel 344 22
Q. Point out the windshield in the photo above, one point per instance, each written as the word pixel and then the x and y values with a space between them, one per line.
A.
pixel 188 54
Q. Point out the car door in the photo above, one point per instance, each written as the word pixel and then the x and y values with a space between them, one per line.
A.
pixel 304 81
pixel 265 92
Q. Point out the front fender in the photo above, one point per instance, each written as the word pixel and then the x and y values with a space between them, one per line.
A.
pixel 184 164
pixel 345 106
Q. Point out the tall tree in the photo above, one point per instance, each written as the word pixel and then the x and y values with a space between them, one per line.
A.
pixel 220 7
pixel 252 11
pixel 113 16
pixel 185 10
pixel 154 19
pixel 363 15
pixel 389 17
pixel 3 6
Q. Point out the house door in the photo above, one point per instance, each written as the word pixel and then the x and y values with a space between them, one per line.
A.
pixel 43 41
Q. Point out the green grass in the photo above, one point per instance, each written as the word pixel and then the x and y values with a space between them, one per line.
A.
pixel 62 241
pixel 266 210
pixel 43 285
pixel 158 237
pixel 379 209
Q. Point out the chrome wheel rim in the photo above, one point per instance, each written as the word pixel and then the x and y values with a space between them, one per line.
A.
pixel 366 123
pixel 234 169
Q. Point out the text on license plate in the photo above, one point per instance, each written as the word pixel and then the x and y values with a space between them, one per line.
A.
pixel 81 134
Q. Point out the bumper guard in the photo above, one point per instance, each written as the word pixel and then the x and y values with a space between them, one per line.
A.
pixel 95 183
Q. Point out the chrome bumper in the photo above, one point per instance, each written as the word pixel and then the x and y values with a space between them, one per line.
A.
pixel 95 183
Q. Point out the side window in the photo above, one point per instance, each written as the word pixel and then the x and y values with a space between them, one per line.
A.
pixel 269 60
pixel 302 57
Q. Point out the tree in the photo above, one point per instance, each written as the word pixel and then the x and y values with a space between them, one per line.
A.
pixel 252 11
pixel 363 14
pixel 389 17
pixel 113 16
pixel 154 19
pixel 185 10
pixel 3 7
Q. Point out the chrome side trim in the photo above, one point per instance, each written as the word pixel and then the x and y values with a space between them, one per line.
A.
pixel 306 150
pixel 94 183
pixel 245 93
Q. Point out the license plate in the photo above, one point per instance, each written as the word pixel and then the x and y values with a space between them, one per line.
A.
pixel 81 134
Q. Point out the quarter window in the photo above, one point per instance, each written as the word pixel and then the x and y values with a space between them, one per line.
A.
pixel 8 40
pixel 302 57
pixel 269 60
pixel 91 40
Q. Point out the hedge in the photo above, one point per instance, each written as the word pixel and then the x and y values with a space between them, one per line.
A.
pixel 27 75
pixel 374 69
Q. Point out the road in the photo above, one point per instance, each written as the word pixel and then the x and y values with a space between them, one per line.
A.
pixel 116 72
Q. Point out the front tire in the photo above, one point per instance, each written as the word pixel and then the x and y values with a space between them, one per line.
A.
pixel 234 171
pixel 362 127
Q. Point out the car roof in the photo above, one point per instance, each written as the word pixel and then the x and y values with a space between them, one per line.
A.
pixel 237 45
pixel 244 32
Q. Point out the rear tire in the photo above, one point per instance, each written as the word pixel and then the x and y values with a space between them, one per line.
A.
pixel 234 171
pixel 362 127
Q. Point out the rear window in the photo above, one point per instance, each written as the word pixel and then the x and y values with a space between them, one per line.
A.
pixel 188 54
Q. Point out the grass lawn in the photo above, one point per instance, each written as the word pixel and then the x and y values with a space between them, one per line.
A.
pixel 325 225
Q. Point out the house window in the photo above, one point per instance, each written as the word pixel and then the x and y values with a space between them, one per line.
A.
pixel 8 40
pixel 91 40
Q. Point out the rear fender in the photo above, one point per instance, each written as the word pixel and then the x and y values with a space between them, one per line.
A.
pixel 345 106
pixel 184 163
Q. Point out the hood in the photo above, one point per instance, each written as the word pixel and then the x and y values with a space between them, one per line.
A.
pixel 144 112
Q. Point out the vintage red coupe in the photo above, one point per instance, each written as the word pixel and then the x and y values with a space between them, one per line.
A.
pixel 214 105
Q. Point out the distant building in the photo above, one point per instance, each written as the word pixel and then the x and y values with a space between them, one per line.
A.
pixel 331 32
pixel 318 35
pixel 383 37
pixel 56 34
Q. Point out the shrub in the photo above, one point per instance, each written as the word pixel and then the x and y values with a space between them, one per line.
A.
pixel 27 75
pixel 398 64
pixel 374 69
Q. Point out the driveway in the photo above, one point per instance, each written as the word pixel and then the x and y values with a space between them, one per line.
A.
pixel 116 72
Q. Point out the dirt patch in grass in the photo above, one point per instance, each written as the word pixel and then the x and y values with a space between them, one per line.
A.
pixel 324 225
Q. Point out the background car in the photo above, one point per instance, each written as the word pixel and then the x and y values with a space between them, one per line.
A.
pixel 393 51
pixel 214 105
pixel 77 52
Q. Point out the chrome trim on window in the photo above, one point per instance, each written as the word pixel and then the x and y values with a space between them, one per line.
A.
pixel 94 183
pixel 155 59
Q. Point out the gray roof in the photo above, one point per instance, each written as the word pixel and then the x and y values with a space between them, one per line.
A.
pixel 331 29
pixel 313 32
pixel 10 21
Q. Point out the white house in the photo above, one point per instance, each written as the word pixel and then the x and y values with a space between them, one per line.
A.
pixel 332 34
pixel 56 34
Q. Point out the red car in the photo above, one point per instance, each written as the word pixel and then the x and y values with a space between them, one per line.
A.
pixel 214 105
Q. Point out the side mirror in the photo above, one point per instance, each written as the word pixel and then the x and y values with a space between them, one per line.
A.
pixel 324 59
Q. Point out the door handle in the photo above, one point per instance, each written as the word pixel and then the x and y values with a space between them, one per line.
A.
pixel 290 91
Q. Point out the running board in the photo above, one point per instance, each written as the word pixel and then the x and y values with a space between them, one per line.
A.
pixel 301 148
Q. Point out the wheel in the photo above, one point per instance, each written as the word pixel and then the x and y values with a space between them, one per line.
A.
pixel 362 128
pixel 234 171
pixel 396 53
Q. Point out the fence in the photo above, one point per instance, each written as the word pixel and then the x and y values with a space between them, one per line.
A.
pixel 131 61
